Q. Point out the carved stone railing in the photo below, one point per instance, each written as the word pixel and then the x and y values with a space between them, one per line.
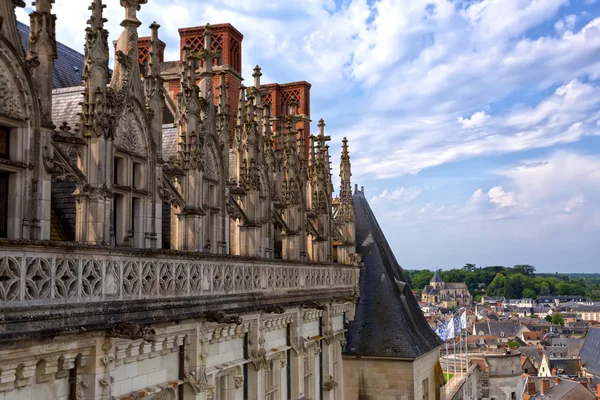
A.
pixel 35 275
pixel 79 280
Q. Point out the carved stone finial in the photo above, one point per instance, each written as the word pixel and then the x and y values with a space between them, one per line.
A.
pixel 43 5
pixel 131 9
pixel 256 75
pixel 321 126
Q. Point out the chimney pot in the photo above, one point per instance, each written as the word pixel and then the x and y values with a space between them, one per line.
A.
pixel 362 189
pixel 554 371
pixel 598 390
pixel 557 380
pixel 545 385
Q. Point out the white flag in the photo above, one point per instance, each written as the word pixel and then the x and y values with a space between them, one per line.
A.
pixel 450 328
pixel 463 320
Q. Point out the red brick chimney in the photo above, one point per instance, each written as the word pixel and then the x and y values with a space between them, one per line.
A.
pixel 557 380
pixel 598 390
pixel 531 387
pixel 554 371
pixel 545 385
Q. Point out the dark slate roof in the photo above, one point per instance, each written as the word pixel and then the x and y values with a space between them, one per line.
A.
pixel 496 328
pixel 388 321
pixel 564 389
pixel 68 67
pixel 437 277
pixel 590 352
pixel 535 354
pixel 565 366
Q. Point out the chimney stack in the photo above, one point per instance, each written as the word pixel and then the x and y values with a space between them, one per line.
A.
pixel 531 387
pixel 557 380
pixel 545 385
pixel 598 390
pixel 554 371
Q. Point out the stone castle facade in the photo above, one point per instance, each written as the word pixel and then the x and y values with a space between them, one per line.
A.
pixel 165 231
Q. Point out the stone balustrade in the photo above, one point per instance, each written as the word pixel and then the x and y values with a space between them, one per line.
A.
pixel 40 282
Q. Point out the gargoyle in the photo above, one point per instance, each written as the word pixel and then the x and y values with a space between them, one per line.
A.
pixel 133 332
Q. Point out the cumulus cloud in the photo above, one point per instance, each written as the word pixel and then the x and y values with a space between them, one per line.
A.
pixel 477 119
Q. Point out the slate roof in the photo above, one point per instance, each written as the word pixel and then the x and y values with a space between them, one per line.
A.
pixel 535 354
pixel 565 366
pixel 65 105
pixel 68 67
pixel 169 141
pixel 437 277
pixel 564 389
pixel 496 328
pixel 590 352
pixel 388 321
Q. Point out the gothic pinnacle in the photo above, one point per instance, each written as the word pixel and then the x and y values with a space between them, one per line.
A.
pixel 43 5
pixel 256 75
pixel 321 126
pixel 97 20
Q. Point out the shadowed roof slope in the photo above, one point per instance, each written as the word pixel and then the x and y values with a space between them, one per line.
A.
pixel 590 352
pixel 388 321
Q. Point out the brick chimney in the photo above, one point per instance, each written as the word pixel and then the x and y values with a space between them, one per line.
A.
pixel 545 385
pixel 557 380
pixel 554 371
pixel 531 387
pixel 598 390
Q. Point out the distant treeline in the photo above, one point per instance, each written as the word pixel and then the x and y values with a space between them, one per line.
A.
pixel 511 282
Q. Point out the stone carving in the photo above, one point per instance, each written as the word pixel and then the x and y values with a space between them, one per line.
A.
pixel 221 318
pixel 133 332
pixel 167 394
pixel 129 135
pixel 239 381
pixel 195 377
pixel 9 95
pixel 82 278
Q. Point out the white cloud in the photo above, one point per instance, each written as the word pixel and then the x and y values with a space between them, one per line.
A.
pixel 476 120
pixel 402 194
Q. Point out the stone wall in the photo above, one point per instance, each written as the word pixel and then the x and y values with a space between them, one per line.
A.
pixel 192 359
pixel 372 378
pixel 504 375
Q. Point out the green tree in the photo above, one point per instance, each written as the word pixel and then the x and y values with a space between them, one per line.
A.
pixel 544 289
pixel 524 269
pixel 558 319
pixel 527 292
pixel 513 344
pixel 420 279
pixel 469 267
pixel 548 318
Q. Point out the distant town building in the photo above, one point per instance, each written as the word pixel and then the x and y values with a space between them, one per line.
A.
pixel 450 295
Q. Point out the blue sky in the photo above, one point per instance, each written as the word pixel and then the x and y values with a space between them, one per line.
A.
pixel 473 125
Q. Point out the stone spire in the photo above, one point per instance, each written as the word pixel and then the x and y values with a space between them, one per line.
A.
pixel 42 52
pixel 346 203
pixel 95 116
pixel 155 98
pixel 97 126
pixel 126 75
pixel 8 22
pixel 154 63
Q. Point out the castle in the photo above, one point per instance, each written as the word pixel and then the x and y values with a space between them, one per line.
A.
pixel 167 232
